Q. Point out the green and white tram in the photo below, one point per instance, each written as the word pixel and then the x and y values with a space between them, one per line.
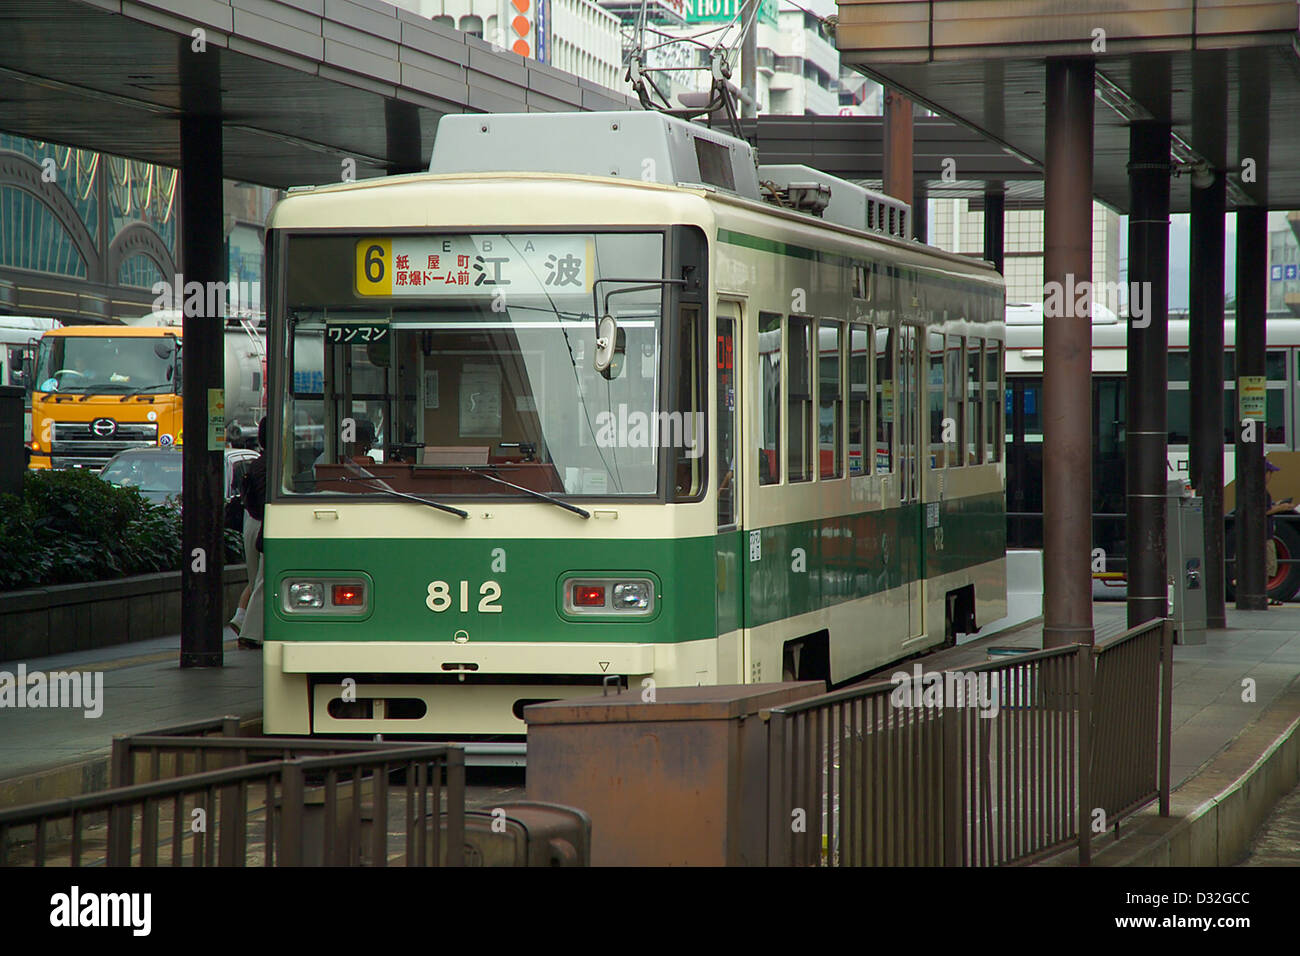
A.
pixel 617 417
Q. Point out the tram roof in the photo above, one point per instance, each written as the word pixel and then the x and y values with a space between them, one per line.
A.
pixel 356 207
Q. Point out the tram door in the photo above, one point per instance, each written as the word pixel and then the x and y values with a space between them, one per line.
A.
pixel 730 562
pixel 911 461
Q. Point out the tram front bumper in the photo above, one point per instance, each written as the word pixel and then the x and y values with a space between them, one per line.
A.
pixel 431 689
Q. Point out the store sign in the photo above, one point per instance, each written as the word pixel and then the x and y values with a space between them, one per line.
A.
pixel 711 11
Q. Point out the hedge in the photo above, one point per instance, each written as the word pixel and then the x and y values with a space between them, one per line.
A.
pixel 72 526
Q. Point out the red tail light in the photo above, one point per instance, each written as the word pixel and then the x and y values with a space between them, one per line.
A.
pixel 348 595
pixel 588 596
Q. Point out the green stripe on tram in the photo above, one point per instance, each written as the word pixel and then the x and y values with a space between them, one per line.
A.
pixel 701 579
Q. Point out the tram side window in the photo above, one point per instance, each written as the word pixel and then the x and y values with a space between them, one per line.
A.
pixel 954 424
pixel 860 400
pixel 830 400
pixel 768 426
pixel 726 409
pixel 689 471
pixel 974 394
pixel 799 425
pixel 1275 417
pixel 1275 366
pixel 993 432
pixel 1178 416
pixel 934 389
pixel 885 340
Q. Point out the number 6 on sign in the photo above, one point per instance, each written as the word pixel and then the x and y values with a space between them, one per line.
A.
pixel 439 598
pixel 374 274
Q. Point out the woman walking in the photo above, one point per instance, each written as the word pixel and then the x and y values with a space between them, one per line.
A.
pixel 250 634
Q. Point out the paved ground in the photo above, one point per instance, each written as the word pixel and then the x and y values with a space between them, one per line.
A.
pixel 144 689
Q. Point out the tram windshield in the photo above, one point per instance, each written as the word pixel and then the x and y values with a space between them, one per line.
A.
pixel 469 367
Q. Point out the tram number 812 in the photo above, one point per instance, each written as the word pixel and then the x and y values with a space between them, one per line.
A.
pixel 439 597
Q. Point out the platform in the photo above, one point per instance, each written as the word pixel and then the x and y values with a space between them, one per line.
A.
pixel 52 753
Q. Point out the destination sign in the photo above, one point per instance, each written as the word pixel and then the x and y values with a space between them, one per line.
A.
pixel 474 265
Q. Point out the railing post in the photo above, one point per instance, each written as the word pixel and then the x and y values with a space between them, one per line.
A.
pixel 120 766
pixel 1166 710
pixel 229 726
pixel 1083 668
pixel 121 774
pixel 119 835
pixel 953 809
pixel 291 813
pixel 778 823
pixel 455 807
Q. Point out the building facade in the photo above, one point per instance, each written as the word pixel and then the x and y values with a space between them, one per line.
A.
pixel 955 227
pixel 1284 264
pixel 798 70
pixel 84 236
pixel 577 36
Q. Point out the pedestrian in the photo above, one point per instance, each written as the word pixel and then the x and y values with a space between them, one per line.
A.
pixel 1271 508
pixel 251 632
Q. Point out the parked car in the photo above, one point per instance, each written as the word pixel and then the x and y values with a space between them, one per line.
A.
pixel 157 472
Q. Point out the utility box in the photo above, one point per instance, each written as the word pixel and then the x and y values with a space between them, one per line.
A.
pixel 1185 537
pixel 681 781
pixel 13 454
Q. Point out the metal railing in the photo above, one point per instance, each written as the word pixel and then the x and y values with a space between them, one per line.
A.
pixel 1132 722
pixel 1005 762
pixel 276 802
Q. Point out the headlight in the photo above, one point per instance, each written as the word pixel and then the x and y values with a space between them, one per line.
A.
pixel 343 596
pixel 306 594
pixel 632 596
pixel 609 597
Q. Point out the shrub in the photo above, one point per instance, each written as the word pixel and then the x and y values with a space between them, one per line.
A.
pixel 72 526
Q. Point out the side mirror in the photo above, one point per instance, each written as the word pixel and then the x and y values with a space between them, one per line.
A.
pixel 611 348
pixel 162 349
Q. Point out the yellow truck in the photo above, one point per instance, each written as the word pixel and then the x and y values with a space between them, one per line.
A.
pixel 101 389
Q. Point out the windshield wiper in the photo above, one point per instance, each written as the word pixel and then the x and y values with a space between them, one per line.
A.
pixel 137 391
pixel 389 490
pixel 473 470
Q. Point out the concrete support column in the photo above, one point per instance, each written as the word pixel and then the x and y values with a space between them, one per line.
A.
pixel 402 134
pixel 1252 307
pixel 897 161
pixel 920 212
pixel 995 199
pixel 1148 371
pixel 1067 354
pixel 202 511
pixel 1205 330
